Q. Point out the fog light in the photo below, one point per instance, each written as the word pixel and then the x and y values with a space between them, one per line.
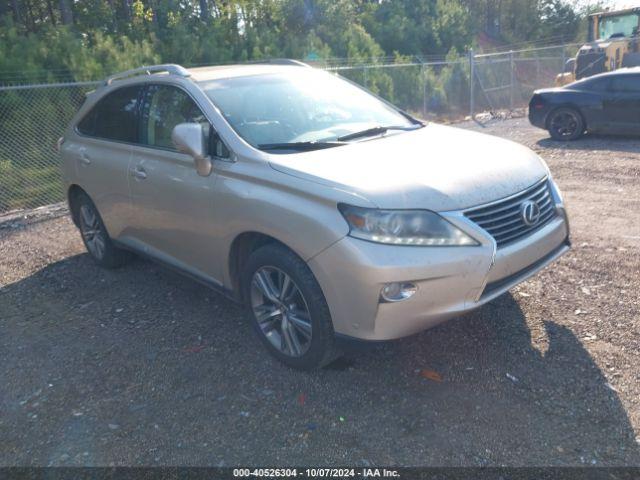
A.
pixel 397 291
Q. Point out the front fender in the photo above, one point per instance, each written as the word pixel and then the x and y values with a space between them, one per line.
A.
pixel 253 197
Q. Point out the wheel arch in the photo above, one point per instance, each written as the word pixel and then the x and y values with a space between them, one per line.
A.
pixel 73 194
pixel 243 245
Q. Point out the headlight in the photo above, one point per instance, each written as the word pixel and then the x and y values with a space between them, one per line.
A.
pixel 555 192
pixel 403 227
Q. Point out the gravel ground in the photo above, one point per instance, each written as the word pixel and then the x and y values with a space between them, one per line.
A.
pixel 140 366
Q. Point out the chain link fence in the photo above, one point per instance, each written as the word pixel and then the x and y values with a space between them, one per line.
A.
pixel 464 86
pixel 506 80
pixel 436 89
pixel 33 117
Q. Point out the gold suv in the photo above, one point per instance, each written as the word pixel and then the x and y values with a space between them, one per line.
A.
pixel 324 209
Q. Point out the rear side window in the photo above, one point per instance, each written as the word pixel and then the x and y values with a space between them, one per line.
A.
pixel 114 117
pixel 626 83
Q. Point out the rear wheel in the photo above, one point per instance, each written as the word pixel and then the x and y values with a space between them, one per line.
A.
pixel 565 124
pixel 95 236
pixel 287 308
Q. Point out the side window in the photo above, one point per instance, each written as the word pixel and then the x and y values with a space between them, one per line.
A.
pixel 626 83
pixel 114 117
pixel 164 108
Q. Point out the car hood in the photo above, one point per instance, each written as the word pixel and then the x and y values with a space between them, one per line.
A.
pixel 542 91
pixel 437 167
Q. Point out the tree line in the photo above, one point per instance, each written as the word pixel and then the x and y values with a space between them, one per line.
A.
pixel 43 41
pixel 48 40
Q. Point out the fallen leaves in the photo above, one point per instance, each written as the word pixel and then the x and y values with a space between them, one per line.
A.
pixel 431 375
pixel 194 349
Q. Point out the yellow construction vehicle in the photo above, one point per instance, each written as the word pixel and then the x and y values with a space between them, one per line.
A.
pixel 613 43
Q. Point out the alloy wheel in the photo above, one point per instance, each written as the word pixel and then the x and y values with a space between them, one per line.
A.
pixel 565 124
pixel 281 311
pixel 92 231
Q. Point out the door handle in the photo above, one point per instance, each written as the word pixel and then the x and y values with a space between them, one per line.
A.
pixel 84 158
pixel 139 173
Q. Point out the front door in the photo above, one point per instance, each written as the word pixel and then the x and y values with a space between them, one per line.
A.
pixel 173 204
pixel 622 104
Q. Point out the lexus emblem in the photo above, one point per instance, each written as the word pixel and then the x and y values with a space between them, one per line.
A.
pixel 530 212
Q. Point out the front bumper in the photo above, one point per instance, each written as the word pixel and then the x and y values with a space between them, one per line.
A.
pixel 450 280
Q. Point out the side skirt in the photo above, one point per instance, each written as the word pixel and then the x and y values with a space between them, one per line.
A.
pixel 207 282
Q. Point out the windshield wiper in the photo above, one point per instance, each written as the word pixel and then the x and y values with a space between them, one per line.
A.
pixel 300 146
pixel 369 132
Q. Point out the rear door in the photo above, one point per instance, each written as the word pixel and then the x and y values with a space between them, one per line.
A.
pixel 102 151
pixel 622 103
pixel 173 204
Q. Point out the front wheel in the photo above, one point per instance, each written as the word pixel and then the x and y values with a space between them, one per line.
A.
pixel 566 124
pixel 287 308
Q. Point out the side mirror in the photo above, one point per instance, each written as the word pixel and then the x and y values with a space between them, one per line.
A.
pixel 191 138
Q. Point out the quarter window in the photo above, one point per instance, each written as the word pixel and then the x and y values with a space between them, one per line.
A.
pixel 114 117
pixel 218 148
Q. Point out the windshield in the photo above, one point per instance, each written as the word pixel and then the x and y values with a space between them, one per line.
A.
pixel 594 84
pixel 302 106
pixel 626 25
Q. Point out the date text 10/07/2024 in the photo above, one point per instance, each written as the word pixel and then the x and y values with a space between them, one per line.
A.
pixel 316 472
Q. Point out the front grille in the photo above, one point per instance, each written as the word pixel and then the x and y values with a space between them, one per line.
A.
pixel 591 63
pixel 503 219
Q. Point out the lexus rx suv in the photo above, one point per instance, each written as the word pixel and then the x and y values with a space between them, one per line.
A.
pixel 326 211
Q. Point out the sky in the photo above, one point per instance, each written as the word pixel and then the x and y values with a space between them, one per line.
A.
pixel 614 4
pixel 622 3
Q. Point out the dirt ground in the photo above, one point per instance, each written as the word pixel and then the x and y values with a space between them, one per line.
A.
pixel 140 366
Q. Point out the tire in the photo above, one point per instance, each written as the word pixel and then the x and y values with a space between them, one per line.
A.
pixel 263 280
pixel 565 124
pixel 95 236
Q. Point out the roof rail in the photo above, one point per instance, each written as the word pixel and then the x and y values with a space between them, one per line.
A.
pixel 281 61
pixel 169 68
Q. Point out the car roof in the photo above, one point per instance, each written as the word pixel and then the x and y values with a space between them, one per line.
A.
pixel 202 74
pixel 614 73
pixel 620 71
